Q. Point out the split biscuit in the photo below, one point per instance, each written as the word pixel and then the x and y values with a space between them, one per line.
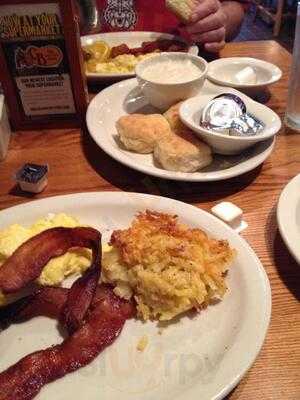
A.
pixel 140 133
pixel 172 116
pixel 182 152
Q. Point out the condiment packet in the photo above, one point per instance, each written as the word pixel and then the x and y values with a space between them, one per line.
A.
pixel 32 177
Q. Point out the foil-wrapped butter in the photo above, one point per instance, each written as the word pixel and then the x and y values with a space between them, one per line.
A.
pixel 227 114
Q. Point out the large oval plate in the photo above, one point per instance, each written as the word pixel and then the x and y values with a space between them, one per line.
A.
pixel 194 358
pixel 125 98
pixel 132 39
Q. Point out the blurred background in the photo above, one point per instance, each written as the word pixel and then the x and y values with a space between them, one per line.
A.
pixel 270 19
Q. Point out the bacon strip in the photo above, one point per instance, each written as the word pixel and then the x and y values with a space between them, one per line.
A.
pixel 82 291
pixel 119 50
pixel 47 301
pixel 79 299
pixel 106 318
pixel 171 45
pixel 149 47
pixel 27 262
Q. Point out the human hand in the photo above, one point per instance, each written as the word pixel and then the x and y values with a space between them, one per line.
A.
pixel 207 25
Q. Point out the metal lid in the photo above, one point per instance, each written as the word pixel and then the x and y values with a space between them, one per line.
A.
pixel 227 114
pixel 221 111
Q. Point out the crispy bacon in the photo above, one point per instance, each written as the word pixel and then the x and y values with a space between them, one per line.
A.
pixel 105 320
pixel 177 47
pixel 119 50
pixel 47 301
pixel 79 299
pixel 82 291
pixel 163 45
pixel 137 51
pixel 93 321
pixel 149 47
pixel 28 261
pixel 171 45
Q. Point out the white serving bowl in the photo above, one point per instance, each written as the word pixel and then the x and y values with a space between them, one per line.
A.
pixel 224 72
pixel 190 114
pixel 163 95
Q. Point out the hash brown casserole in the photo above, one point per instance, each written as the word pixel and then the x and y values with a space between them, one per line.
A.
pixel 167 267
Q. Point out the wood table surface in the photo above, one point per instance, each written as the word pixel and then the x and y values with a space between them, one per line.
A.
pixel 78 165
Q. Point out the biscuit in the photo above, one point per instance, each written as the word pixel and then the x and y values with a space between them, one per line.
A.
pixel 140 133
pixel 172 116
pixel 182 152
pixel 183 9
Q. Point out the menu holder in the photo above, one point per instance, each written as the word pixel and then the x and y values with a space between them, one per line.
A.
pixel 41 63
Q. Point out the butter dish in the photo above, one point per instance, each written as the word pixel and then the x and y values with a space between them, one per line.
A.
pixel 247 74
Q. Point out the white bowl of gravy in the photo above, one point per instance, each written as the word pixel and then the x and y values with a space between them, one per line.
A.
pixel 170 77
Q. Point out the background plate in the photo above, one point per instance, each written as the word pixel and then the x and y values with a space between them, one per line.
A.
pixel 132 39
pixel 125 98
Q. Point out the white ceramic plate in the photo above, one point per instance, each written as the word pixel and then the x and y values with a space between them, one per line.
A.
pixel 223 72
pixel 132 39
pixel 191 111
pixel 288 216
pixel 194 358
pixel 125 98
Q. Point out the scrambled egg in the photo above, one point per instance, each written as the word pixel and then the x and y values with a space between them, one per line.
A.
pixel 124 63
pixel 74 262
pixel 167 267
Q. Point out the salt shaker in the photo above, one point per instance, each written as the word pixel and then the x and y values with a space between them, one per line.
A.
pixel 292 116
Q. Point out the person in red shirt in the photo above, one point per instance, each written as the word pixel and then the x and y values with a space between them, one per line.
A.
pixel 212 23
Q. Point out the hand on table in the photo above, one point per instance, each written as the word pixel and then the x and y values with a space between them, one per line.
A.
pixel 207 25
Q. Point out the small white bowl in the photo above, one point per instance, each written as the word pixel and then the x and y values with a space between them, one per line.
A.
pixel 190 114
pixel 224 72
pixel 163 95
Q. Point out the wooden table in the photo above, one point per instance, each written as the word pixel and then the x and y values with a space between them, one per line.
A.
pixel 78 165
